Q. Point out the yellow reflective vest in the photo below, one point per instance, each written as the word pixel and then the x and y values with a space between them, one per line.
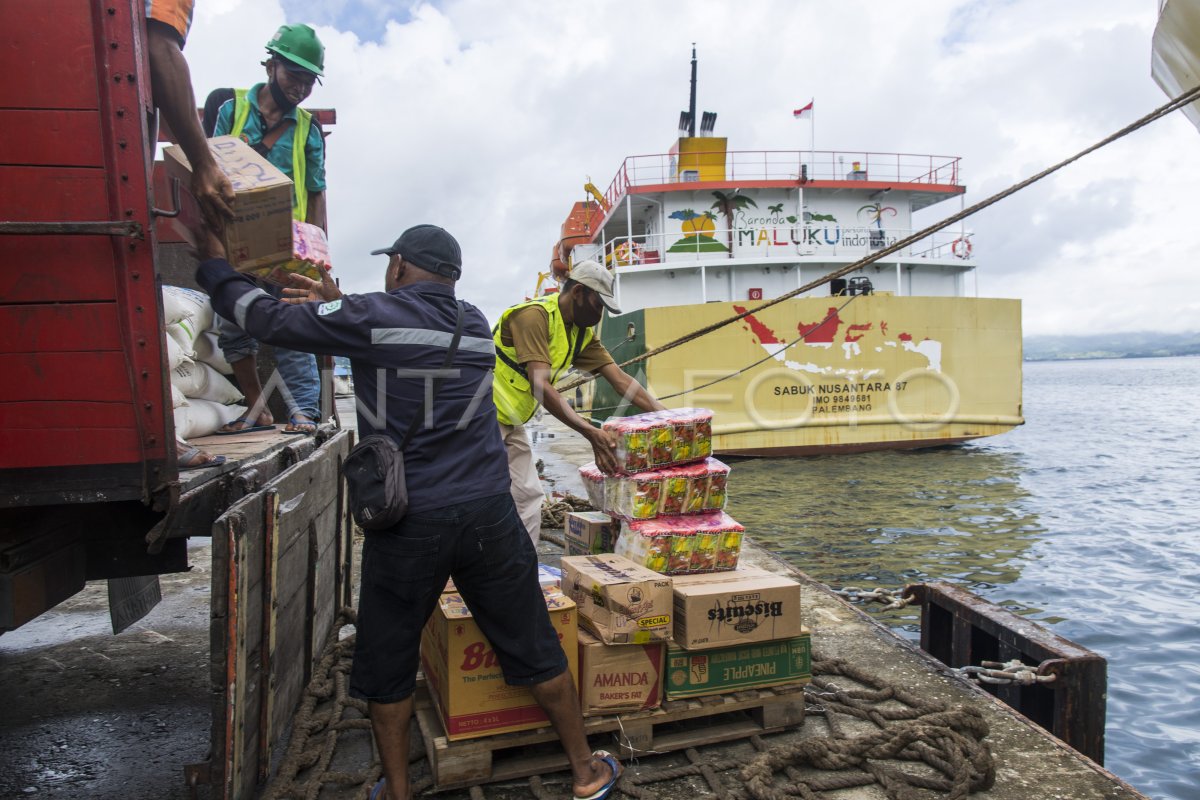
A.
pixel 515 403
pixel 241 113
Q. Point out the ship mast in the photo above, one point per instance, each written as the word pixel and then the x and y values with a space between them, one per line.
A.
pixel 692 100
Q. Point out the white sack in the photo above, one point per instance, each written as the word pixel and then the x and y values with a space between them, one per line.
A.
pixel 202 418
pixel 199 380
pixel 180 303
pixel 175 355
pixel 208 350
pixel 178 399
pixel 184 334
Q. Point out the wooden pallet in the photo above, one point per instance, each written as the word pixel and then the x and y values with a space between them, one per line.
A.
pixel 677 725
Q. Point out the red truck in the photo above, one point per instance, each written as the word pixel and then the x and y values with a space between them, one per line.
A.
pixel 89 487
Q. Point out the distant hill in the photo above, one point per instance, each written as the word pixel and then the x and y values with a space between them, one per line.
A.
pixel 1112 345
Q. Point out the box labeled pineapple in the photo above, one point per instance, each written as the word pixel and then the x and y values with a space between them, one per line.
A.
pixel 693 673
pixel 619 602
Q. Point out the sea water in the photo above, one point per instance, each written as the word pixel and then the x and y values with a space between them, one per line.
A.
pixel 1086 519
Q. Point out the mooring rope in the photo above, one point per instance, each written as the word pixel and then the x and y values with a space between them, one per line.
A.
pixel 1158 113
pixel 947 740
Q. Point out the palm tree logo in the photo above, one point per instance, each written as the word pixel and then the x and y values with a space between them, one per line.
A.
pixel 727 204
pixel 698 231
pixel 775 209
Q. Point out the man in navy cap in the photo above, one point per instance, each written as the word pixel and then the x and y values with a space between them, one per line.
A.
pixel 461 521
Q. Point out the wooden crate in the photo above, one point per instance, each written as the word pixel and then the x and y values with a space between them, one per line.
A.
pixel 677 725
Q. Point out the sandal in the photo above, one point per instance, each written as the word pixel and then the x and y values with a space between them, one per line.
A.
pixel 300 425
pixel 244 425
pixel 606 789
pixel 378 790
pixel 193 458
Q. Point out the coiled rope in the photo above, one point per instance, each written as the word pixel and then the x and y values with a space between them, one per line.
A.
pixel 1163 110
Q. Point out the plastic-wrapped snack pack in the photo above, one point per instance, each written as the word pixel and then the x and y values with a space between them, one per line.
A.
pixel 593 484
pixel 680 545
pixel 662 438
pixel 689 489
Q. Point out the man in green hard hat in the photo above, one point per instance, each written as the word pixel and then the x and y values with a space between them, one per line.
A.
pixel 268 117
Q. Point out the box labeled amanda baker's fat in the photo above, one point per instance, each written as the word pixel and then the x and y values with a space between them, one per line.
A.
pixel 692 673
pixel 617 678
pixel 740 607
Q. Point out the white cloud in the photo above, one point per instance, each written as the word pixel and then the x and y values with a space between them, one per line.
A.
pixel 486 117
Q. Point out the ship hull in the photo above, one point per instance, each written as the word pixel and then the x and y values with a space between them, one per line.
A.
pixel 821 375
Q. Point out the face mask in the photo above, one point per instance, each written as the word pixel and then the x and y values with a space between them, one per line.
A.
pixel 279 97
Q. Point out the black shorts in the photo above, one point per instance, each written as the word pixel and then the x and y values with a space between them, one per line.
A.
pixel 485 547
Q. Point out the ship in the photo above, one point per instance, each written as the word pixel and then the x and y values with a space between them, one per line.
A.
pixel 900 353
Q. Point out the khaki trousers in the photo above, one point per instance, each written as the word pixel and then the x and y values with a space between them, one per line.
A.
pixel 526 488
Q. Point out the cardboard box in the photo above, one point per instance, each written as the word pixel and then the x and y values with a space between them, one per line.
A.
pixel 617 678
pixel 740 607
pixel 310 247
pixel 692 673
pixel 590 532
pixel 464 675
pixel 260 233
pixel 619 601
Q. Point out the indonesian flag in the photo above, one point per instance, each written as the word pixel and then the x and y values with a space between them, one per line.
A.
pixel 803 113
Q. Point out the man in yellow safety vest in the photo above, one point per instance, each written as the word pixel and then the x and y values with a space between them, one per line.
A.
pixel 536 343
pixel 268 117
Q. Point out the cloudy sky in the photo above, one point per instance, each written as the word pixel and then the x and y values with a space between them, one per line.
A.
pixel 487 117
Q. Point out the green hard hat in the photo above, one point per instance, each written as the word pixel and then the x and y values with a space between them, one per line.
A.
pixel 300 45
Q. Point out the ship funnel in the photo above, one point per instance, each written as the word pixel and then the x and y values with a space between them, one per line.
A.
pixel 685 123
pixel 707 122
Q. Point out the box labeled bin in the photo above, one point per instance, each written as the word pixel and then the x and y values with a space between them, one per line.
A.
pixel 692 673
pixel 619 602
pixel 589 532
pixel 619 678
pixel 464 674
pixel 260 233
pixel 740 607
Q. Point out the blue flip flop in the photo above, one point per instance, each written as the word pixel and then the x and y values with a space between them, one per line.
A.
pixel 606 789
pixel 242 420
pixel 295 420
pixel 378 790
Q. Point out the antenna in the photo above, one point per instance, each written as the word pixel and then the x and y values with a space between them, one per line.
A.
pixel 692 101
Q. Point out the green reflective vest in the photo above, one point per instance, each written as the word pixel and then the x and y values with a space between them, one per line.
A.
pixel 515 403
pixel 241 113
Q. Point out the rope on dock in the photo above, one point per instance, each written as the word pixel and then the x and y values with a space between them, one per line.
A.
pixel 1162 111
pixel 556 508
pixel 946 740
pixel 909 728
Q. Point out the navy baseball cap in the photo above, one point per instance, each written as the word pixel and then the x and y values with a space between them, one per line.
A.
pixel 429 247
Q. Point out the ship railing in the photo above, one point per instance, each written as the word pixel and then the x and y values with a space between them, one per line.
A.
pixel 787 165
pixel 785 242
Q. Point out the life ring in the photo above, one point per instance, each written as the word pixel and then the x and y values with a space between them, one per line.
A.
pixel 961 248
pixel 626 253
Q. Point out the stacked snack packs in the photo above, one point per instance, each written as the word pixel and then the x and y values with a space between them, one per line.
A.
pixel 685 544
pixel 687 489
pixel 662 438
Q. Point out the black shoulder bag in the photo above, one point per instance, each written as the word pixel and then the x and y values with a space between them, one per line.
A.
pixel 374 469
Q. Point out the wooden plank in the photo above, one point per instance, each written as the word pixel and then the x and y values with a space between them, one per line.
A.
pixel 53 194
pixel 677 725
pixel 64 376
pixel 44 43
pixel 57 269
pixel 59 328
pixel 34 448
pixel 50 138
